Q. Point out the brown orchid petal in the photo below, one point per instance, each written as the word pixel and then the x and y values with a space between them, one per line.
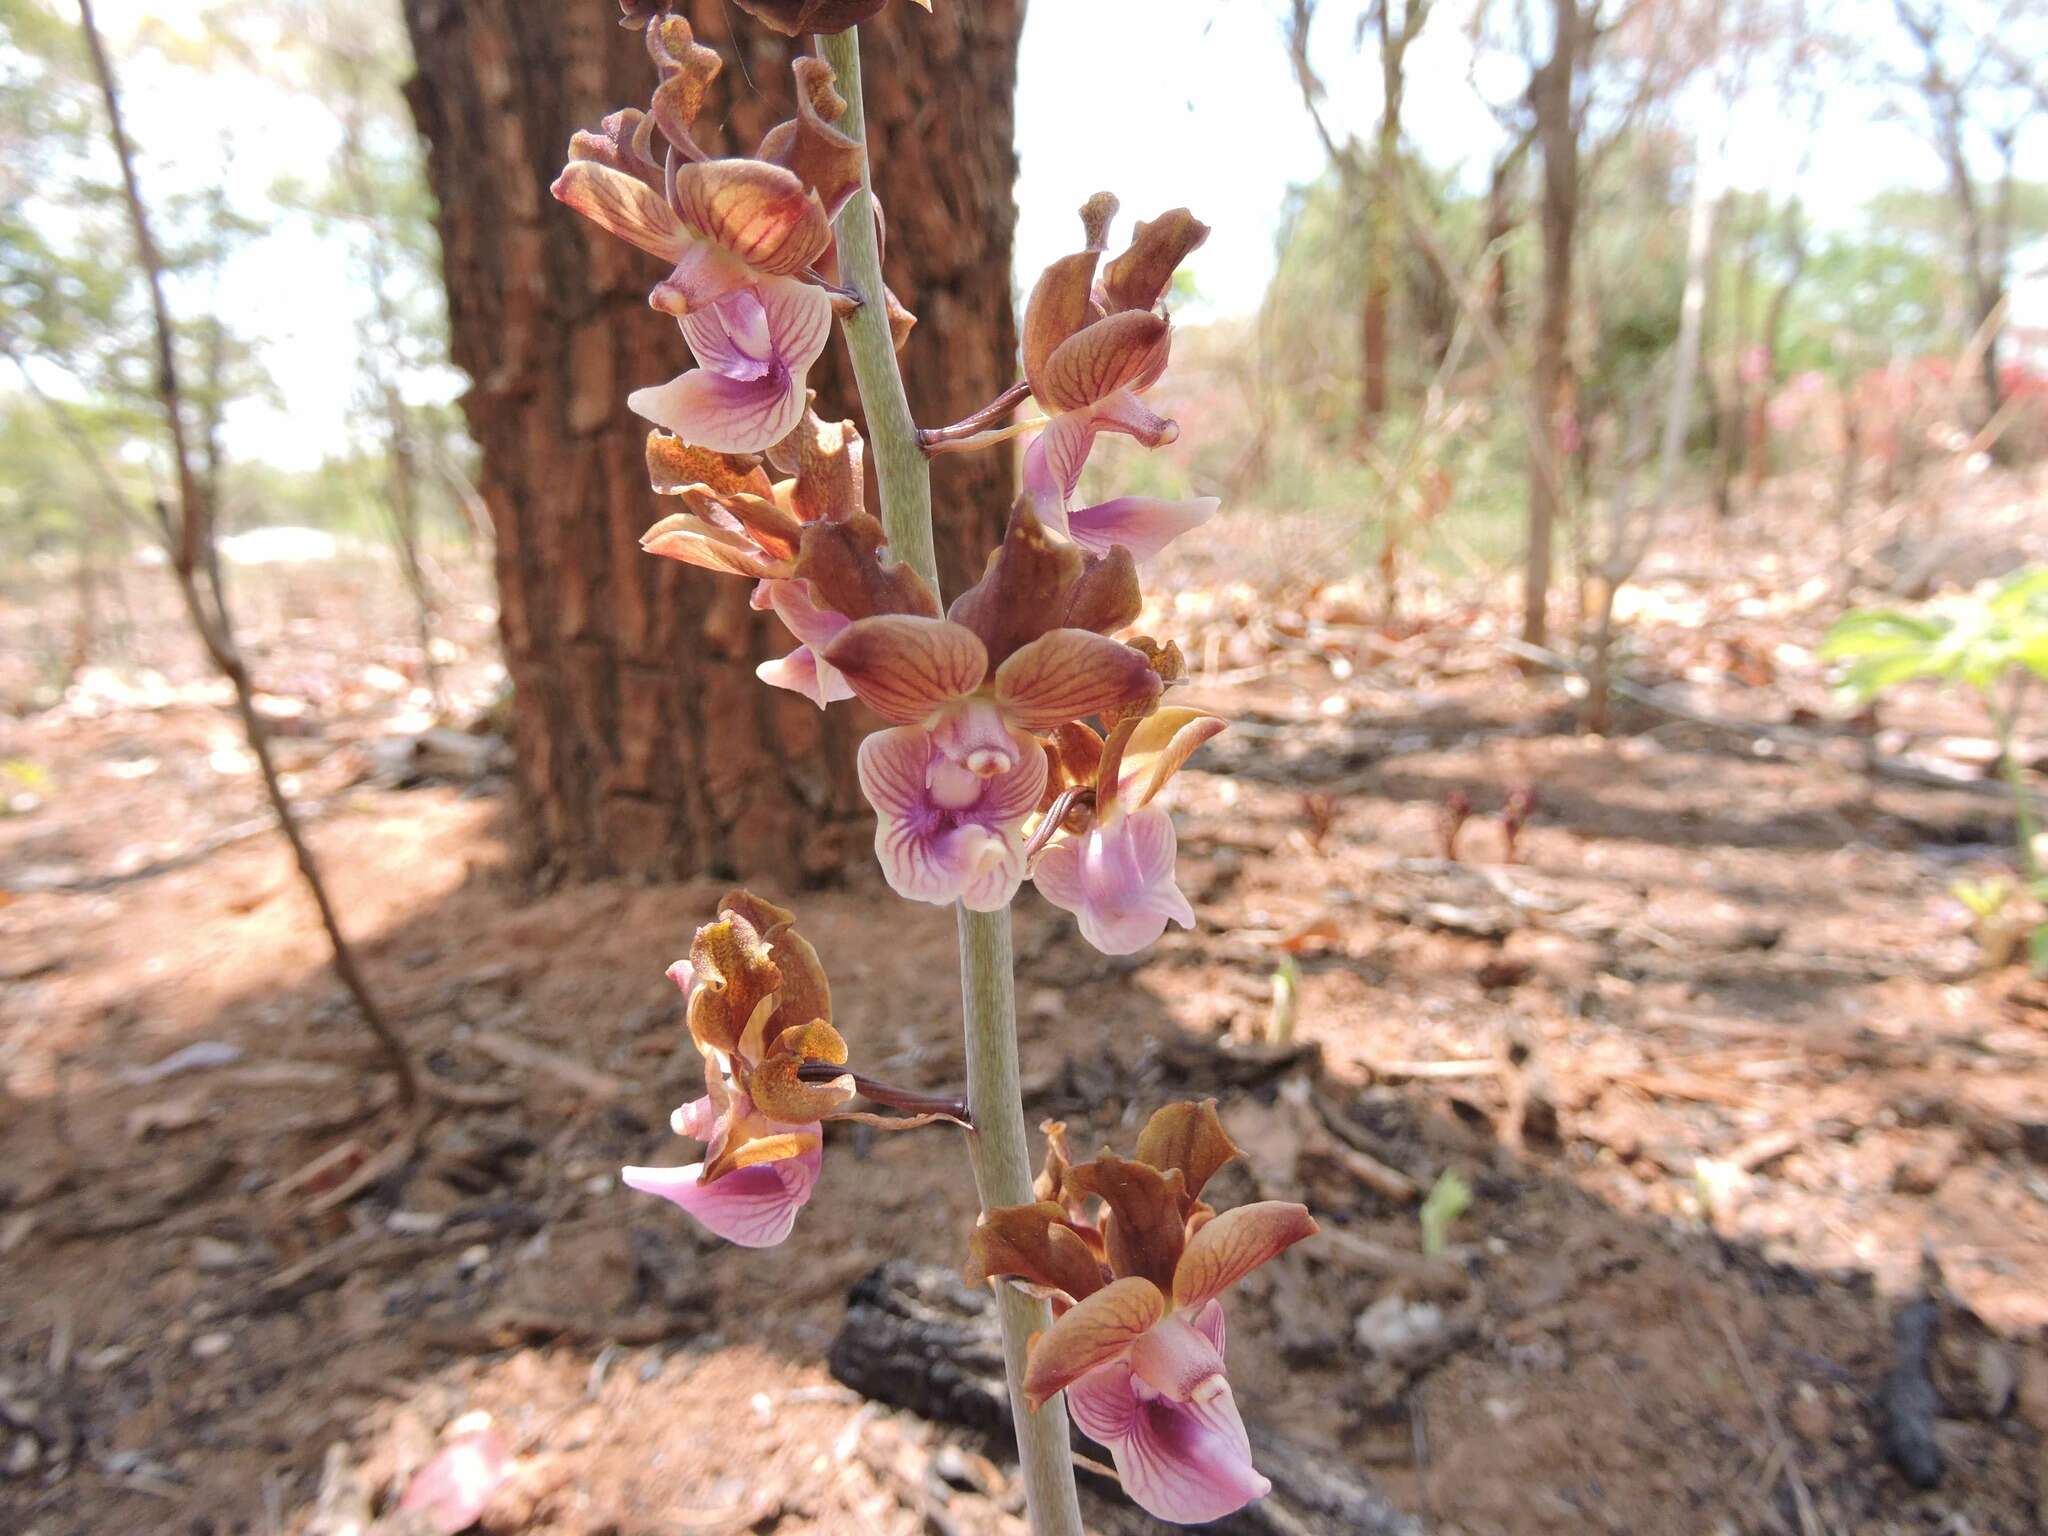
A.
pixel 696 540
pixel 673 464
pixel 1106 598
pixel 1057 1160
pixel 759 212
pixel 819 155
pixel 843 562
pixel 753 1041
pixel 781 1094
pixel 794 17
pixel 1137 279
pixel 624 140
pixel 1230 1247
pixel 828 467
pixel 734 973
pixel 1152 752
pixel 1072 752
pixel 1147 1214
pixel 623 205
pixel 1092 1333
pixel 1069 674
pixel 748 1151
pixel 1023 591
pixel 904 667
pixel 1058 307
pixel 1034 1243
pixel 1189 1137
pixel 1166 660
pixel 686 68
pixel 1099 360
pixel 803 994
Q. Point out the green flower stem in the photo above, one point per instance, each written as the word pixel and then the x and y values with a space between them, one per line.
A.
pixel 1002 1158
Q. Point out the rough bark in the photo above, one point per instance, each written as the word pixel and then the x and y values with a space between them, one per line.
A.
pixel 645 745
pixel 916 1338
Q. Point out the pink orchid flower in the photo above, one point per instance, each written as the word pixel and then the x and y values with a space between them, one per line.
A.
pixel 1117 876
pixel 753 347
pixel 749 980
pixel 1091 349
pixel 1137 1340
pixel 722 225
pixel 804 670
pixel 1024 649
pixel 944 833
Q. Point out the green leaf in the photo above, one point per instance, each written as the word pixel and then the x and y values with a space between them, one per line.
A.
pixel 1447 1201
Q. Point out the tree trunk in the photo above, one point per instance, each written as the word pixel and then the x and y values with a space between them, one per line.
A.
pixel 645 745
pixel 1557 135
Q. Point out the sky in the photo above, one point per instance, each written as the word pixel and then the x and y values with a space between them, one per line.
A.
pixel 1164 102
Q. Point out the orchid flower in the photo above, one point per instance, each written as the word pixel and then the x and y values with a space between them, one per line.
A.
pixel 1091 348
pixel 944 833
pixel 1137 1339
pixel 759 1009
pixel 815 554
pixel 1025 649
pixel 722 225
pixel 753 347
pixel 1116 876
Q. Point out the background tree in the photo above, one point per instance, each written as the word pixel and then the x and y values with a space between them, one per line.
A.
pixel 1974 68
pixel 644 744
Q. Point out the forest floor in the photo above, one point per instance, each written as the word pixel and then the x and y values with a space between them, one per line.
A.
pixel 1714 1051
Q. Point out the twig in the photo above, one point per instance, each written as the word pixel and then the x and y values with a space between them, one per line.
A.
pixel 1802 1500
pixel 189 538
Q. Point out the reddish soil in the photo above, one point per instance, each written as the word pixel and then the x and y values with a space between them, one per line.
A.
pixel 1715 1056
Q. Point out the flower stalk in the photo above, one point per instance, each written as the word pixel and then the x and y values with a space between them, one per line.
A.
pixel 987 981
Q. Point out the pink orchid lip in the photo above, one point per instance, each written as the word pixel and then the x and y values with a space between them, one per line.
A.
pixel 1117 880
pixel 943 833
pixel 1166 1414
pixel 754 1207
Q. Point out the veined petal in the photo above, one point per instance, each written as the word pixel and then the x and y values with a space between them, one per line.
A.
pixel 1190 1137
pixel 1057 308
pixel 799 322
pixel 1144 525
pixel 1098 1329
pixel 1141 759
pixel 703 274
pixel 820 156
pixel 1124 412
pixel 754 1207
pixel 731 337
pixel 963 846
pixel 724 414
pixel 1117 880
pixel 802 672
pixel 697 541
pixel 1175 1359
pixel 624 206
pixel 1070 673
pixel 1034 1243
pixel 1053 464
pixel 1148 1213
pixel 1099 360
pixel 905 667
pixel 847 566
pixel 1234 1244
pixel 1188 1463
pixel 985 866
pixel 761 213
pixel 1138 278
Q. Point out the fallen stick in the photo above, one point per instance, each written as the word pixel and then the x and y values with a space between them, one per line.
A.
pixel 916 1338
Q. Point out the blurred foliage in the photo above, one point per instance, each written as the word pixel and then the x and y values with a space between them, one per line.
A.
pixel 1994 640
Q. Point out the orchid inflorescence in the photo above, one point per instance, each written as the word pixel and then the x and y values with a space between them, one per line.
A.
pixel 1025 734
